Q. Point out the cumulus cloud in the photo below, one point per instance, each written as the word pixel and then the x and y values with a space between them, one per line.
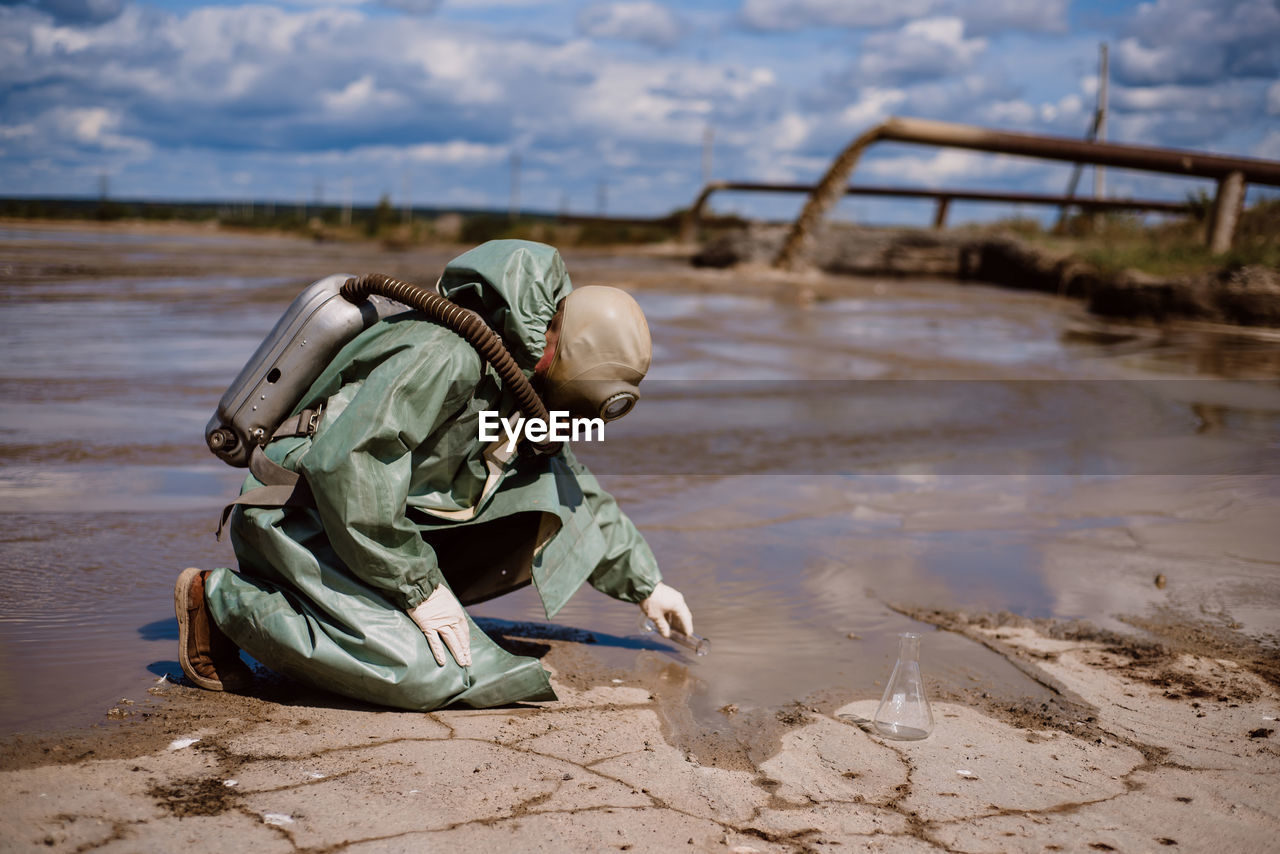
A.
pixel 987 17
pixel 632 20
pixel 947 167
pixel 981 17
pixel 1187 72
pixel 1225 98
pixel 281 95
pixel 1269 147
pixel 74 11
pixel 411 7
pixel 921 50
pixel 784 15
pixel 1200 41
pixel 326 86
pixel 73 134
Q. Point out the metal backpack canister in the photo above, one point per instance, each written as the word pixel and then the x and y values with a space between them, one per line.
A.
pixel 317 324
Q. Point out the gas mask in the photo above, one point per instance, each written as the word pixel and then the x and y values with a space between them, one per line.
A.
pixel 602 354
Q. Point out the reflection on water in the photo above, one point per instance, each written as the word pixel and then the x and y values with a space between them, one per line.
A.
pixel 788 511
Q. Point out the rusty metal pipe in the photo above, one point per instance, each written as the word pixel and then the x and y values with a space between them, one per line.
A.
pixel 1143 157
pixel 1158 205
pixel 951 135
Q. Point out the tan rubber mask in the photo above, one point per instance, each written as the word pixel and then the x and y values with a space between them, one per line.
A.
pixel 603 352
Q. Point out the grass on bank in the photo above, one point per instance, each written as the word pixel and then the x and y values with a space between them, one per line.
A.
pixel 1119 241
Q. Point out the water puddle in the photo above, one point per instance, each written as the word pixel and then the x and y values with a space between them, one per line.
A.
pixel 790 468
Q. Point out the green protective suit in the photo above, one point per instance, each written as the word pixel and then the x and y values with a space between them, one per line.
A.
pixel 398 475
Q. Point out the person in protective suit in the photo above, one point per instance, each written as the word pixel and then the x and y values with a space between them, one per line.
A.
pixel 413 516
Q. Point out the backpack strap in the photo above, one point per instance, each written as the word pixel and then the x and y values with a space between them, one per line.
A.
pixel 281 487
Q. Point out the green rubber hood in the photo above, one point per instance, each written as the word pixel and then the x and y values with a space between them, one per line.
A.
pixel 515 285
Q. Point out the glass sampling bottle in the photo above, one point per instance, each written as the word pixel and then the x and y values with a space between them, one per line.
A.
pixel 696 644
pixel 904 712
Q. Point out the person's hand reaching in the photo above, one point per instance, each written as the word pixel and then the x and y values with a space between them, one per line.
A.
pixel 665 606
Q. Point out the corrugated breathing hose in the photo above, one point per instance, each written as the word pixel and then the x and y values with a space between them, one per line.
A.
pixel 470 326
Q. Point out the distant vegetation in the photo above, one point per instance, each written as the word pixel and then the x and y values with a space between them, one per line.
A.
pixel 1118 241
pixel 1112 242
pixel 383 222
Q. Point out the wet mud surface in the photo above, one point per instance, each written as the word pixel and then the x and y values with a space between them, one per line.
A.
pixel 789 510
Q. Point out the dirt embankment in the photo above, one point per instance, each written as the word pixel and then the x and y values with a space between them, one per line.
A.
pixel 1247 296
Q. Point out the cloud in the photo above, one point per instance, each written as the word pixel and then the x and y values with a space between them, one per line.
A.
pixel 1269 147
pixel 1226 97
pixel 636 20
pixel 279 92
pixel 362 95
pixel 988 17
pixel 1199 41
pixel 285 95
pixel 948 167
pixel 71 134
pixel 411 7
pixel 787 15
pixel 981 17
pixel 921 50
pixel 75 11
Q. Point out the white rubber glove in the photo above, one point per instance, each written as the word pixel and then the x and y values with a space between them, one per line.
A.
pixel 666 605
pixel 440 616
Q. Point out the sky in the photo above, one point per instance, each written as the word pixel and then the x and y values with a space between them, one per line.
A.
pixel 607 106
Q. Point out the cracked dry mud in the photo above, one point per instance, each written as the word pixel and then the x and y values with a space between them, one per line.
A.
pixel 603 769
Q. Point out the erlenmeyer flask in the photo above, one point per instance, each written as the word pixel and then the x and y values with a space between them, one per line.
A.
pixel 904 712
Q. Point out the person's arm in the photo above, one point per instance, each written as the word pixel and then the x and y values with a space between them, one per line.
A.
pixel 629 570
pixel 360 467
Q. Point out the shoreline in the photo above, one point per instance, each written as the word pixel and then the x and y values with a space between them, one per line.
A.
pixel 1246 297
pixel 1144 752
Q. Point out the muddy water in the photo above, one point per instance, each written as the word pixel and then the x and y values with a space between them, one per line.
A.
pixel 807 454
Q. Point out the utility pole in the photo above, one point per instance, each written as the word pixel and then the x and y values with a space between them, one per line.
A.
pixel 602 197
pixel 1094 134
pixel 1101 121
pixel 513 211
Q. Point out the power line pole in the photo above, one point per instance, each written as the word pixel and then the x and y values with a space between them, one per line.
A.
pixel 346 202
pixel 1094 134
pixel 602 197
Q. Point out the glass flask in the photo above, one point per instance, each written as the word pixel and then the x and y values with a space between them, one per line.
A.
pixel 696 644
pixel 904 712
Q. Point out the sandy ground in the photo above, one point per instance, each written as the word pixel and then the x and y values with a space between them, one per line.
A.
pixel 1147 748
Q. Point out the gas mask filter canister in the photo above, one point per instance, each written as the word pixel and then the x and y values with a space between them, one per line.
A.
pixel 603 352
